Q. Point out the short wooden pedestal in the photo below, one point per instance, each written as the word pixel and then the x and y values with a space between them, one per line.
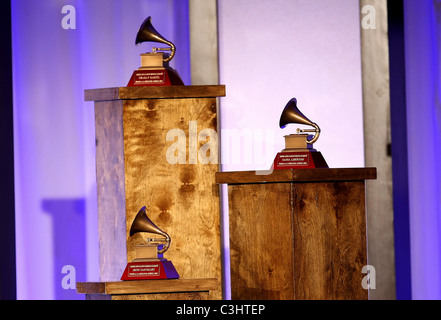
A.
pixel 297 234
pixel 178 289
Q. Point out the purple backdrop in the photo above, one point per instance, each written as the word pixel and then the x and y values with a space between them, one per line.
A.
pixel 54 128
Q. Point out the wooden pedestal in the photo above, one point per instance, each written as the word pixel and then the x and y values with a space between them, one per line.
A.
pixel 179 289
pixel 297 234
pixel 138 130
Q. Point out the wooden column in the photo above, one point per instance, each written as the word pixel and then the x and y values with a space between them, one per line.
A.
pixel 140 132
pixel 297 234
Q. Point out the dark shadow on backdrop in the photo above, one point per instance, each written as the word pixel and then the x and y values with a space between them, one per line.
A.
pixel 399 149
pixel 8 290
pixel 69 242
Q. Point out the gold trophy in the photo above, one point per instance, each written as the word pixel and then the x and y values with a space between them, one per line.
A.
pixel 299 152
pixel 154 70
pixel 149 262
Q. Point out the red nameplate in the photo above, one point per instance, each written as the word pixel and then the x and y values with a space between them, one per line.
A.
pixel 154 77
pixel 299 160
pixel 150 270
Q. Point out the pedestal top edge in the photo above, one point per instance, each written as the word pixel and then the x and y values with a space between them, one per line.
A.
pixel 154 92
pixel 147 286
pixel 296 175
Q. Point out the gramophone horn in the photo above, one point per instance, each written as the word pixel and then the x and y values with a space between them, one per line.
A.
pixel 292 114
pixel 148 33
pixel 142 223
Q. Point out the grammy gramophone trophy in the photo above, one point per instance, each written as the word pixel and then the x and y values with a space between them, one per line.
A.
pixel 149 262
pixel 154 70
pixel 299 152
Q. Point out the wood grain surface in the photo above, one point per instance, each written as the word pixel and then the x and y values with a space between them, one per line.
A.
pixel 154 92
pixel 329 240
pixel 181 199
pixel 298 175
pixel 177 289
pixel 110 189
pixel 133 171
pixel 297 240
pixel 147 286
pixel 261 242
pixel 202 295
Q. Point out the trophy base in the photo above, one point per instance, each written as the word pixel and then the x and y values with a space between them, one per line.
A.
pixel 151 269
pixel 155 77
pixel 301 159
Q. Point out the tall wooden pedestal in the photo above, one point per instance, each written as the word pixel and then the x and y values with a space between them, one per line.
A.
pixel 297 234
pixel 151 144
